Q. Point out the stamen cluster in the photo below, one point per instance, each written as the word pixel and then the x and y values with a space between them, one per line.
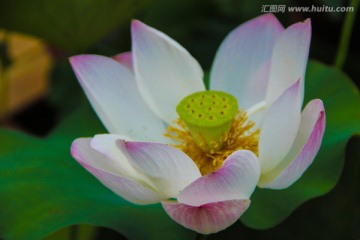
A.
pixel 240 137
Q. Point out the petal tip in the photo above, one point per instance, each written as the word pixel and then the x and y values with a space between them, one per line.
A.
pixel 319 103
pixel 269 16
pixel 307 26
pixel 74 148
pixel 74 60
pixel 270 19
pixel 77 147
pixel 125 58
pixel 304 26
pixel 296 85
pixel 82 59
pixel 209 218
pixel 307 22
pixel 137 24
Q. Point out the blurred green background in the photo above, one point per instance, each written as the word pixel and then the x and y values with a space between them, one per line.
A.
pixel 44 194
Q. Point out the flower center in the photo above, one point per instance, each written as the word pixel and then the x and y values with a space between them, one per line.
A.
pixel 208 116
pixel 210 128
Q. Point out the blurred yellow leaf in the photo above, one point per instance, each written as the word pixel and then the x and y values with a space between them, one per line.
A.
pixel 25 79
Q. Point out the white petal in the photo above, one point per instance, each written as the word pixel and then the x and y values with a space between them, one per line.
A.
pixel 113 93
pixel 303 151
pixel 236 179
pixel 208 218
pixel 279 127
pixel 165 71
pixel 256 113
pixel 98 165
pixel 115 157
pixel 170 169
pixel 288 63
pixel 242 63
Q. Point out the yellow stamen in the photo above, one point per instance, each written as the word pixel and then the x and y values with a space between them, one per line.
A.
pixel 240 137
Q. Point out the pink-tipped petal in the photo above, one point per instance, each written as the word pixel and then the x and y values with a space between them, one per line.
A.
pixel 303 151
pixel 208 218
pixel 241 66
pixel 170 169
pixel 125 58
pixel 236 179
pixel 97 165
pixel 126 188
pixel 113 93
pixel 289 60
pixel 165 71
pixel 279 128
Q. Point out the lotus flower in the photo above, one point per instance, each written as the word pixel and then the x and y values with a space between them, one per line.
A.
pixel 201 153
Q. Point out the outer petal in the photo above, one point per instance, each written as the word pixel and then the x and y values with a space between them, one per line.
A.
pixel 236 179
pixel 289 60
pixel 113 93
pixel 241 66
pixel 116 159
pixel 97 165
pixel 165 71
pixel 303 151
pixel 170 169
pixel 125 58
pixel 279 127
pixel 208 218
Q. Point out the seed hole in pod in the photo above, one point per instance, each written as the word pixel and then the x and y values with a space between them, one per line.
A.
pixel 188 106
pixel 202 96
pixel 211 117
pixel 199 115
pixel 192 100
pixel 192 111
pixel 213 96
pixel 210 108
pixel 225 106
pixel 222 112
pixel 201 103
pixel 224 99
pixel 213 102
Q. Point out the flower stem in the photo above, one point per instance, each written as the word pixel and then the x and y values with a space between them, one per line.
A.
pixel 345 35
pixel 200 236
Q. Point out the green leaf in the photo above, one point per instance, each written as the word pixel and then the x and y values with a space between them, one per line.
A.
pixel 43 189
pixel 342 103
pixel 72 25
